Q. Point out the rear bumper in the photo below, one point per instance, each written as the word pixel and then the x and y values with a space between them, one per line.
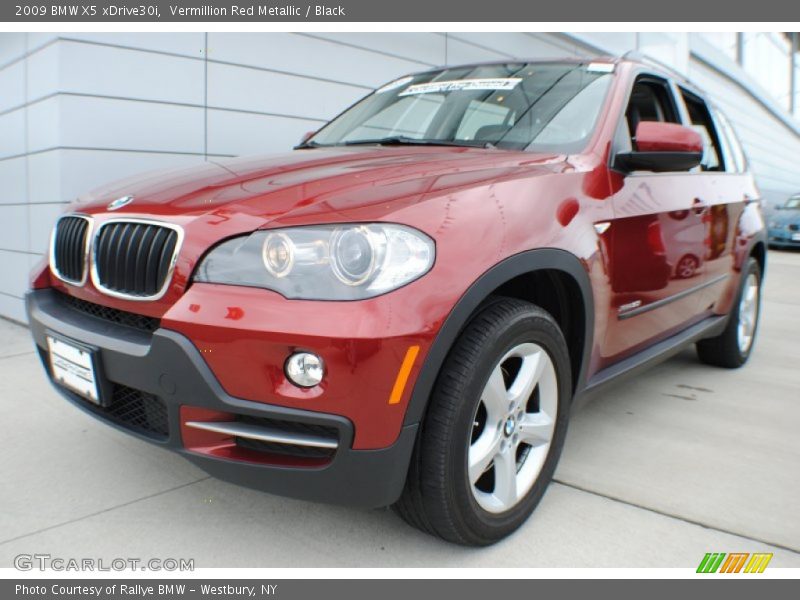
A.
pixel 168 370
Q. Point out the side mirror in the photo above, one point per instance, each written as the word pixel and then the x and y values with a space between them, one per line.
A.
pixel 662 147
pixel 307 136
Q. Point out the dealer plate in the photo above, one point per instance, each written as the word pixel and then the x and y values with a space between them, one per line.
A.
pixel 73 366
pixel 796 237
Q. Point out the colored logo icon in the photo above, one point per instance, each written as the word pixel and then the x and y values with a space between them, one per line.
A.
pixel 734 562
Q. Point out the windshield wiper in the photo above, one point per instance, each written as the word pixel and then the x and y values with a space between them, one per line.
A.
pixel 309 144
pixel 396 140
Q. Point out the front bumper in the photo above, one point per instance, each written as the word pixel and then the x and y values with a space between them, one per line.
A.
pixel 171 378
pixel 783 237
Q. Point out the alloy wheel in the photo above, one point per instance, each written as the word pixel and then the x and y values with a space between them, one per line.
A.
pixel 513 428
pixel 748 313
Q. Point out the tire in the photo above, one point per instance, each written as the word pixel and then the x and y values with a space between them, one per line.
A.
pixel 731 348
pixel 687 266
pixel 511 353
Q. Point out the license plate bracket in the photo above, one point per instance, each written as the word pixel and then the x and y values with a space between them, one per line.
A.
pixel 76 366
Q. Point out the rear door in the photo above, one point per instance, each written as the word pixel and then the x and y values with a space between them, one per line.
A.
pixel 722 174
pixel 656 240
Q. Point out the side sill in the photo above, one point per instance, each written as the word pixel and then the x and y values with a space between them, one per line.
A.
pixel 649 357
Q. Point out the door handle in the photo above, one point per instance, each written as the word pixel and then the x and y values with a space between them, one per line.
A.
pixel 698 206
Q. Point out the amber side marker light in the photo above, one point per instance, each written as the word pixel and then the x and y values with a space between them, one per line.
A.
pixel 402 374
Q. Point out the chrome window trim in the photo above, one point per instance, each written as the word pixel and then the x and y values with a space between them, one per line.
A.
pixel 86 250
pixel 170 271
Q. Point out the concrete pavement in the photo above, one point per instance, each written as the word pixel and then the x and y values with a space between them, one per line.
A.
pixel 683 460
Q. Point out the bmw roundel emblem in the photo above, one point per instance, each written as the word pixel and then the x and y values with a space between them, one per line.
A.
pixel 119 202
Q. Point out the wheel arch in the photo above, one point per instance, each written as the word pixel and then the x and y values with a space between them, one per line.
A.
pixel 554 279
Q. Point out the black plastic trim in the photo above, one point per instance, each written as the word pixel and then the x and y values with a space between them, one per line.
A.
pixel 503 272
pixel 168 365
pixel 652 355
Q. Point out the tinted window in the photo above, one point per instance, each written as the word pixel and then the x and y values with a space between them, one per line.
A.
pixel 702 123
pixel 651 100
pixel 736 162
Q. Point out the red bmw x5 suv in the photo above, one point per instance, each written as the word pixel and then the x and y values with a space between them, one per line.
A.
pixel 405 309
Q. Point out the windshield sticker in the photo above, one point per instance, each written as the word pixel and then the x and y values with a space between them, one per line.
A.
pixel 508 83
pixel 394 84
pixel 600 67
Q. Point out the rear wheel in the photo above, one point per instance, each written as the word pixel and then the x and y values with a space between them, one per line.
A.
pixel 733 346
pixel 494 428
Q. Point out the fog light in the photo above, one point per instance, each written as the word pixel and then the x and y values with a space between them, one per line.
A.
pixel 304 369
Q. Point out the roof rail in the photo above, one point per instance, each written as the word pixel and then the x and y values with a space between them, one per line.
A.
pixel 653 62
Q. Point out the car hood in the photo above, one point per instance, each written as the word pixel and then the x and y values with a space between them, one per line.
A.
pixel 310 185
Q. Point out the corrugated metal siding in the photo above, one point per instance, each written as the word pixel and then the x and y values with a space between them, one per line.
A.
pixel 771 147
pixel 77 110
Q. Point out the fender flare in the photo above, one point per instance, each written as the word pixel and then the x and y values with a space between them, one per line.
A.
pixel 503 272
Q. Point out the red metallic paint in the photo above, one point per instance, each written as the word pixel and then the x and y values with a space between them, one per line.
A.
pixel 653 136
pixel 479 205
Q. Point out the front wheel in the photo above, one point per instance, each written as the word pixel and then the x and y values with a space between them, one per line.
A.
pixel 494 428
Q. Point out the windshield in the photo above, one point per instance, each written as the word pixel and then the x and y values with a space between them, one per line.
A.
pixel 793 202
pixel 539 106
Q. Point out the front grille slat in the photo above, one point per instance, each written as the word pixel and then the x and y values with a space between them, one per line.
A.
pixel 76 241
pixel 61 255
pixel 118 274
pixel 69 263
pixel 101 252
pixel 140 280
pixel 69 242
pixel 69 248
pixel 152 265
pixel 134 258
pixel 166 257
pixel 130 257
pixel 105 261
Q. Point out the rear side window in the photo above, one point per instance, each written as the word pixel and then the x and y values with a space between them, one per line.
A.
pixel 703 124
pixel 736 161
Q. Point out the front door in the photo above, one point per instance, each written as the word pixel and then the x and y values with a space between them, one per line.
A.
pixel 655 242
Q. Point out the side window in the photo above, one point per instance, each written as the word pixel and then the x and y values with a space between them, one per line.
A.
pixel 702 122
pixel 651 100
pixel 737 162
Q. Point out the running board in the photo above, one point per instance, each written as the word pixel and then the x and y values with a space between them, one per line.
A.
pixel 263 434
pixel 652 355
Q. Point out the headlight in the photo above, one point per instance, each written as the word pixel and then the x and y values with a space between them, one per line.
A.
pixel 329 262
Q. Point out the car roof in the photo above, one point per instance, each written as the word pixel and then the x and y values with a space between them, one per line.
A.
pixel 632 57
pixel 629 57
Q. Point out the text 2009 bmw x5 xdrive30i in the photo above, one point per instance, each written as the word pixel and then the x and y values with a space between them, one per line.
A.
pixel 402 310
